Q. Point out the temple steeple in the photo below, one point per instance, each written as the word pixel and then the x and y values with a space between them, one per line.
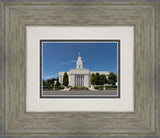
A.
pixel 79 62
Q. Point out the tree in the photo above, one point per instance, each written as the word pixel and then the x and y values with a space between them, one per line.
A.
pixel 44 83
pixel 50 81
pixel 65 79
pixel 103 79
pixel 112 78
pixel 97 79
pixel 57 83
pixel 93 79
pixel 53 80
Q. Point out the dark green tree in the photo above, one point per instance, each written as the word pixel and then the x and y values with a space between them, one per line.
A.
pixel 112 78
pixel 93 79
pixel 57 83
pixel 53 80
pixel 97 79
pixel 65 79
pixel 49 81
pixel 44 83
pixel 103 79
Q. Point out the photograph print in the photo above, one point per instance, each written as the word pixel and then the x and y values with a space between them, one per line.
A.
pixel 79 68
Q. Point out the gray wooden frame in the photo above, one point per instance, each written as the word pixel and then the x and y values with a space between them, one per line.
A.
pixel 142 122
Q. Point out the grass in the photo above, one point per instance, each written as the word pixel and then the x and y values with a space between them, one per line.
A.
pixel 112 87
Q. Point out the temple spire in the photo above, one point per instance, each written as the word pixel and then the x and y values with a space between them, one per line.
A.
pixel 79 62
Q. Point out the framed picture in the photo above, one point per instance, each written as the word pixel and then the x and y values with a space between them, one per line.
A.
pixel 56 51
pixel 78 81
pixel 80 68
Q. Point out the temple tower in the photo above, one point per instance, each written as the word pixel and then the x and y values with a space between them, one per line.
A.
pixel 79 62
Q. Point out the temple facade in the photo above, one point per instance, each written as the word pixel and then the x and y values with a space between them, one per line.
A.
pixel 80 76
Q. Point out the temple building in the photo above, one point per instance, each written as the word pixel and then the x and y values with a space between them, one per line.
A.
pixel 80 76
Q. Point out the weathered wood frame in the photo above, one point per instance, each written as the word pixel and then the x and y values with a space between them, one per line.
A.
pixel 142 122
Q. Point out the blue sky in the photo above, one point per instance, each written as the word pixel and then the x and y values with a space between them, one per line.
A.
pixel 62 56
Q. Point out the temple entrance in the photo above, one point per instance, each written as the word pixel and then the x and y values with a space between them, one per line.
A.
pixel 79 80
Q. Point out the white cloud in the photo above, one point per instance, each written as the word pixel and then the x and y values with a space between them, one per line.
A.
pixel 65 63
pixel 50 76
pixel 73 61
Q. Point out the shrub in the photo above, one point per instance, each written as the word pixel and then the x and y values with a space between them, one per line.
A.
pixel 79 88
pixel 47 87
pixel 84 87
pixel 99 87
pixel 111 87
pixel 74 87
pixel 59 87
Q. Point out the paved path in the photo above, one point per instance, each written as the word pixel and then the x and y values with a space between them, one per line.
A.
pixel 61 93
pixel 65 89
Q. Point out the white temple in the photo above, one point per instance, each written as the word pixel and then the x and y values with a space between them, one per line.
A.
pixel 80 76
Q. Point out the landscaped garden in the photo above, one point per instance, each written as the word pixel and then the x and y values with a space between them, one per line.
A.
pixel 78 88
